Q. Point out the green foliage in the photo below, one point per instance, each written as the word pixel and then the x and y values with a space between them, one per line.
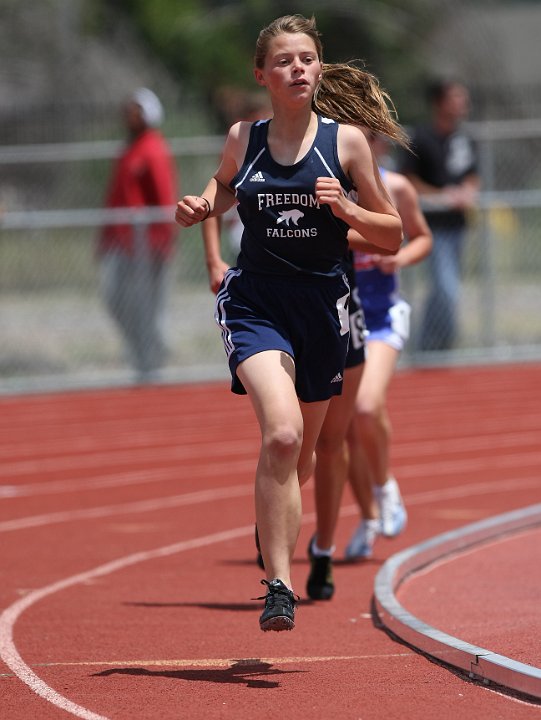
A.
pixel 210 43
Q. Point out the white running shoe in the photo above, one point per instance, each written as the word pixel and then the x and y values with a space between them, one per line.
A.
pixel 362 541
pixel 393 515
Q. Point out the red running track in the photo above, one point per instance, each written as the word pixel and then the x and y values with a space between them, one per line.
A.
pixel 128 562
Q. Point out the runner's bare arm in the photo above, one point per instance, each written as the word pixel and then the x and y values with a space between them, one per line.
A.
pixel 374 216
pixel 217 197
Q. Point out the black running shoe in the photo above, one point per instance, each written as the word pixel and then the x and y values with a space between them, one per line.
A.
pixel 259 559
pixel 320 584
pixel 279 612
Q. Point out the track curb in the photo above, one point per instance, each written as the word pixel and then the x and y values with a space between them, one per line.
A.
pixel 479 663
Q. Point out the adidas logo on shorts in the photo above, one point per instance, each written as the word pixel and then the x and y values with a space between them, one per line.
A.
pixel 257 177
pixel 337 378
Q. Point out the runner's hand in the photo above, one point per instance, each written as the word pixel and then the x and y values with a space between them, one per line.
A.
pixel 191 210
pixel 330 192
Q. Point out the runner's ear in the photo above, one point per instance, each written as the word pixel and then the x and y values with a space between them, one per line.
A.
pixel 258 74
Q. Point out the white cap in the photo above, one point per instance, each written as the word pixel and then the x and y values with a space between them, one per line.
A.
pixel 151 107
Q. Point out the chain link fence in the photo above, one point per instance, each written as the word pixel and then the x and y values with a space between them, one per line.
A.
pixel 56 333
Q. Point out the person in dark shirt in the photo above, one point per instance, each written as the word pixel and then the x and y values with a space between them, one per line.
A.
pixel 442 167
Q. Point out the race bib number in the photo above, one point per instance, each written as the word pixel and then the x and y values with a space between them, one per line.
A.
pixel 357 325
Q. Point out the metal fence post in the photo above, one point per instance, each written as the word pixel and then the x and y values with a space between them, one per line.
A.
pixel 487 286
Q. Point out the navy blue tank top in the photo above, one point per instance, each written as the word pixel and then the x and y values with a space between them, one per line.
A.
pixel 286 231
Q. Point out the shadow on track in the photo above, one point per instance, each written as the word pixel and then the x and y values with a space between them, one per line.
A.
pixel 248 672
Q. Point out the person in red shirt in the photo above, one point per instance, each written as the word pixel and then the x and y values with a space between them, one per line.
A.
pixel 135 258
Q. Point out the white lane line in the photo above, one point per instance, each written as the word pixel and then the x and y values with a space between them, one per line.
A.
pixel 68 461
pixel 483 441
pixel 483 488
pixel 470 465
pixel 140 506
pixel 65 445
pixel 173 454
pixel 122 479
pixel 407 470
pixel 8 650
pixel 152 505
pixel 224 662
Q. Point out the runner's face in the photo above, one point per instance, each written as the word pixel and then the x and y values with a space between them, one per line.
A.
pixel 292 68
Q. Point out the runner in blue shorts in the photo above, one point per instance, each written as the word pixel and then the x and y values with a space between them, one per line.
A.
pixel 359 416
pixel 387 319
pixel 331 461
pixel 283 310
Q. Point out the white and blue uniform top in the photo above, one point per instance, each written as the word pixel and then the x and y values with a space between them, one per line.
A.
pixel 386 314
pixel 378 290
pixel 286 231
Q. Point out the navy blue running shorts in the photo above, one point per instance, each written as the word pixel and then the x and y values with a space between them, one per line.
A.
pixel 305 317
